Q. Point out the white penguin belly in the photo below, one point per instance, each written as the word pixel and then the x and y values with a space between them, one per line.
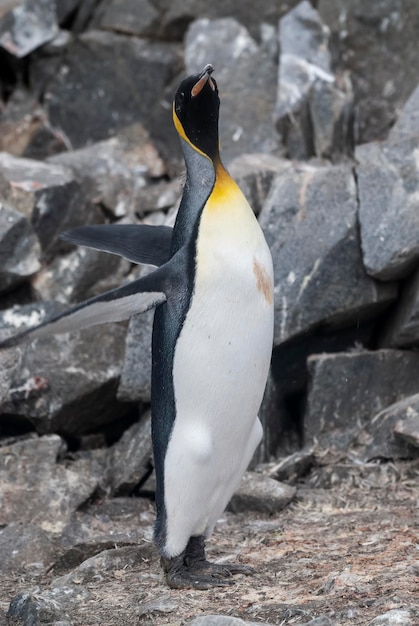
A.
pixel 220 367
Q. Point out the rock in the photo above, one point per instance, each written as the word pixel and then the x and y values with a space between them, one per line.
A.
pixel 65 8
pixel 37 490
pixel 395 617
pixel 366 42
pixel 36 610
pixel 49 197
pixel 291 467
pixel 221 620
pixel 313 114
pixel 67 383
pixel 129 460
pixel 408 429
pixel 246 75
pixel 323 620
pixel 133 17
pixel 107 61
pixel 368 382
pixel 135 382
pixel 19 248
pixel 75 276
pixel 27 25
pixel 9 365
pixel 162 604
pixel 24 130
pixel 24 547
pixel 114 172
pixel 402 328
pixel 159 196
pixel 262 494
pixel 254 174
pixel 402 418
pixel 388 183
pixel 177 14
pixel 310 222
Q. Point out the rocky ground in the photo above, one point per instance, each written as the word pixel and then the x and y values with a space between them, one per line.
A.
pixel 320 127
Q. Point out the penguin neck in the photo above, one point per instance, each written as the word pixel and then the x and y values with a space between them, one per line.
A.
pixel 200 181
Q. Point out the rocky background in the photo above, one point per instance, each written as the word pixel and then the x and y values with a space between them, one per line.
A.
pixel 320 127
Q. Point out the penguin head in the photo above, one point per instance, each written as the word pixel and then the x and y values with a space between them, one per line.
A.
pixel 195 112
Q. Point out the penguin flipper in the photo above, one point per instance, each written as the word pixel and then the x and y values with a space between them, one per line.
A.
pixel 112 306
pixel 139 243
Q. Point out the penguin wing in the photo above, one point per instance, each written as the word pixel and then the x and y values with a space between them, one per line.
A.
pixel 139 243
pixel 112 306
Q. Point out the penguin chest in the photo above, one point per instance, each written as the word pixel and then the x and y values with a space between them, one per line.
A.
pixel 223 353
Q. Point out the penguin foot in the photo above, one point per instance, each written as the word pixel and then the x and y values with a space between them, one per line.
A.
pixel 192 570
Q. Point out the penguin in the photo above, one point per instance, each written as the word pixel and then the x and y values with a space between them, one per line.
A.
pixel 211 343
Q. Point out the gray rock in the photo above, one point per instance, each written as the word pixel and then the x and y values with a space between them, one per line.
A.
pixel 177 14
pixel 114 172
pixel 312 113
pixel 37 490
pixel 162 604
pixel 291 467
pixel 129 460
pixel 34 610
pixel 133 17
pixel 408 429
pixel 310 222
pixel 27 25
pixel 135 382
pixel 23 127
pixel 24 547
pixel 75 276
pixel 396 617
pixel 160 196
pixel 366 42
pixel 220 620
pixel 367 382
pixel 48 195
pixel 65 8
pixel 402 328
pixel 67 383
pixel 388 183
pixel 261 493
pixel 402 418
pixel 254 173
pixel 108 62
pixel 9 366
pixel 246 74
pixel 19 248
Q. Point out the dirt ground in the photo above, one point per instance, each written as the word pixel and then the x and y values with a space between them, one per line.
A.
pixel 350 551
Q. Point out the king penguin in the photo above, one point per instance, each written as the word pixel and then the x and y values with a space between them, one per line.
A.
pixel 212 338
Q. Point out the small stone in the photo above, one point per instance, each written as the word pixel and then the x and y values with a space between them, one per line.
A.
pixel 28 25
pixel 291 467
pixel 395 617
pixel 408 429
pixel 262 494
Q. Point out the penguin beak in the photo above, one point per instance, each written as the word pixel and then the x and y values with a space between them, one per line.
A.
pixel 203 80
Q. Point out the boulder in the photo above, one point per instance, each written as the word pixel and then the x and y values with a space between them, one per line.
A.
pixel 366 42
pixel 27 24
pixel 254 173
pixel 388 183
pixel 132 17
pixel 108 62
pixel 20 250
pixel 402 328
pixel 115 171
pixel 261 493
pixel 130 459
pixel 246 74
pixel 313 113
pixel 347 390
pixel 178 14
pixel 393 433
pixel 48 196
pixel 135 382
pixel 310 222
pixel 24 547
pixel 67 383
pixel 79 275
pixel 36 489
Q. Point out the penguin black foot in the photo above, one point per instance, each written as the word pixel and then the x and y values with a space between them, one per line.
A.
pixel 191 569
